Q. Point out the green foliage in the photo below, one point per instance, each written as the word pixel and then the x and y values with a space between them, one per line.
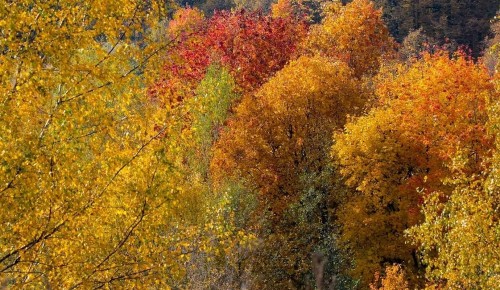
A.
pixel 209 109
pixel 305 232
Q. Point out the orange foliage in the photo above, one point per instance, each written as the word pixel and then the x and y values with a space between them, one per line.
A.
pixel 428 113
pixel 394 279
pixel 278 135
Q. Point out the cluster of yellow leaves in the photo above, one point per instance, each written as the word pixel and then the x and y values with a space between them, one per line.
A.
pixel 83 181
pixel 355 34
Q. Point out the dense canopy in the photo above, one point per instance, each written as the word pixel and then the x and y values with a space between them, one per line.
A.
pixel 233 144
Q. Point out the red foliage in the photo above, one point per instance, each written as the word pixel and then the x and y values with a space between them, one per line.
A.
pixel 251 45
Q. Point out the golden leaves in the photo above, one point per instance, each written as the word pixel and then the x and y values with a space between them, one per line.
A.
pixel 73 122
pixel 354 33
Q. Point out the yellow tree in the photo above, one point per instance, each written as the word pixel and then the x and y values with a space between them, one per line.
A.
pixel 400 151
pixel 84 183
pixel 354 33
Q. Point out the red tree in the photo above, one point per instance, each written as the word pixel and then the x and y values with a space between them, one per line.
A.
pixel 251 45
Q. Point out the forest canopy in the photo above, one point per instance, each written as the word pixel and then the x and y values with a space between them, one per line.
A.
pixel 233 144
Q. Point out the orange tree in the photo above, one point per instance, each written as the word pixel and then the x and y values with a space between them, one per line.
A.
pixel 275 144
pixel 278 134
pixel 459 234
pixel 401 151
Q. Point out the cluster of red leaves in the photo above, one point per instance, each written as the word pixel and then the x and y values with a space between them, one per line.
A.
pixel 251 45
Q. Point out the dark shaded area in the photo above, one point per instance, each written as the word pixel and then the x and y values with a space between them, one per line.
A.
pixel 458 22
pixel 208 6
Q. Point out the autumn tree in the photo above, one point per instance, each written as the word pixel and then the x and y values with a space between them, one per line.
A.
pixel 466 223
pixel 354 33
pixel 282 127
pixel 461 229
pixel 85 187
pixel 252 46
pixel 401 151
pixel 276 145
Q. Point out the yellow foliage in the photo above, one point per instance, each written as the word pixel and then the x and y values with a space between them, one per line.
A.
pixel 83 185
pixel 354 33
